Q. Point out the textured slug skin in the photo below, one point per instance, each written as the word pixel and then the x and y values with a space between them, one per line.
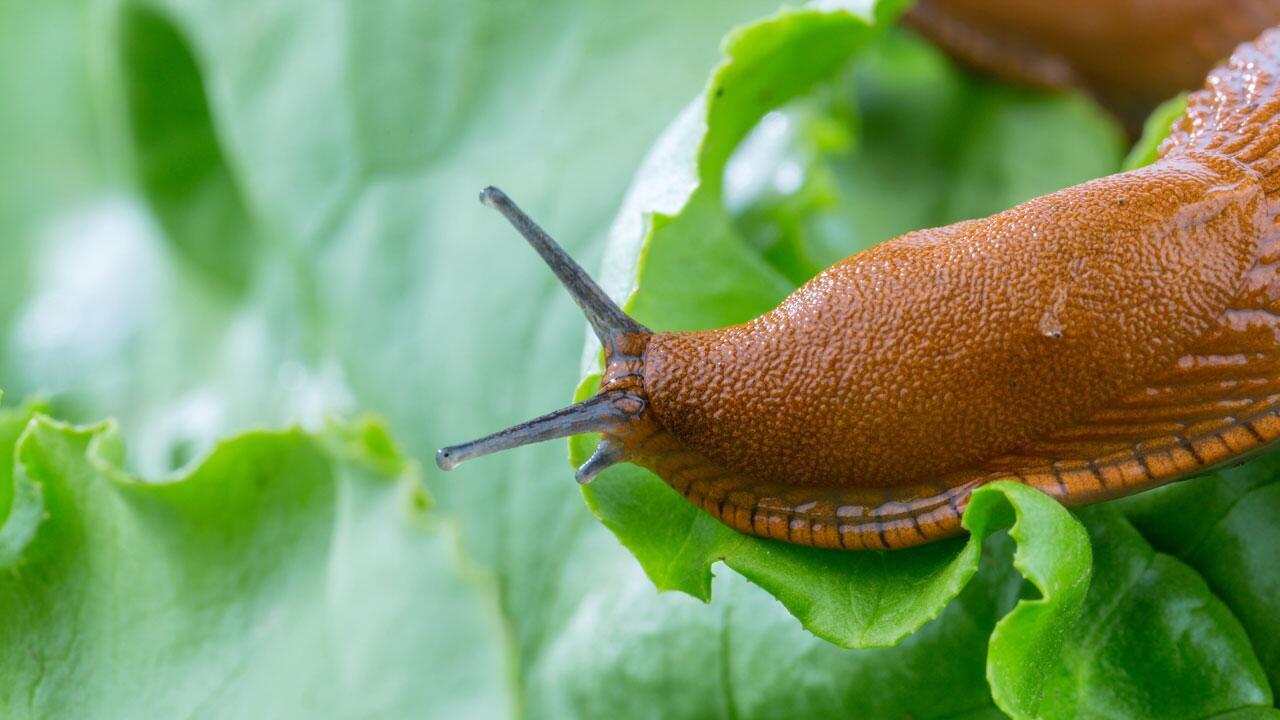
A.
pixel 943 347
pixel 1093 342
pixel 1131 54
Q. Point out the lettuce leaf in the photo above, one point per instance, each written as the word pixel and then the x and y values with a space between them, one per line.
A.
pixel 223 214
pixel 284 574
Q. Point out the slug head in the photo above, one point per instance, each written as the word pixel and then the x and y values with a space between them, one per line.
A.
pixel 618 410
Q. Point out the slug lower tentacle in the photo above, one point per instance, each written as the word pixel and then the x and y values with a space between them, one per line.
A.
pixel 1097 341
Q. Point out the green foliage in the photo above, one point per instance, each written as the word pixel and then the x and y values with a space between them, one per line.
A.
pixel 217 215
pixel 180 163
pixel 1229 539
pixel 1154 131
pixel 281 576
pixel 1152 640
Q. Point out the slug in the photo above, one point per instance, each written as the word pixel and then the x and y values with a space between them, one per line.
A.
pixel 1129 54
pixel 1091 343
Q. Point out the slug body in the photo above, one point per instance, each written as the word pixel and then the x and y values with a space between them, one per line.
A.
pixel 1130 54
pixel 1091 343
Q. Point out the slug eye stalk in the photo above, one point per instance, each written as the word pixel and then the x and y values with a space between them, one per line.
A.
pixel 612 410
pixel 601 413
pixel 606 318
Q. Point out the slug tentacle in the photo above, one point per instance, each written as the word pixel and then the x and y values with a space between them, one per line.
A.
pixel 608 453
pixel 610 411
pixel 618 407
pixel 606 318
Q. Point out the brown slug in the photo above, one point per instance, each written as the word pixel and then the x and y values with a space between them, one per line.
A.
pixel 1129 54
pixel 1091 343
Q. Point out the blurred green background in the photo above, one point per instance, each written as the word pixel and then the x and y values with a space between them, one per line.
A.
pixel 221 215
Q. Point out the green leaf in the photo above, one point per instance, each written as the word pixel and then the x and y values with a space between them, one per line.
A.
pixel 627 653
pixel 624 651
pixel 357 138
pixel 1149 643
pixel 1153 641
pixel 1154 131
pixel 1224 527
pixel 1053 553
pixel 47 137
pixel 21 500
pixel 282 576
pixel 181 167
pixel 338 148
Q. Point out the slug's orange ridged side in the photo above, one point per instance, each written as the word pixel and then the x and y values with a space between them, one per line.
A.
pixel 1131 54
pixel 1096 341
